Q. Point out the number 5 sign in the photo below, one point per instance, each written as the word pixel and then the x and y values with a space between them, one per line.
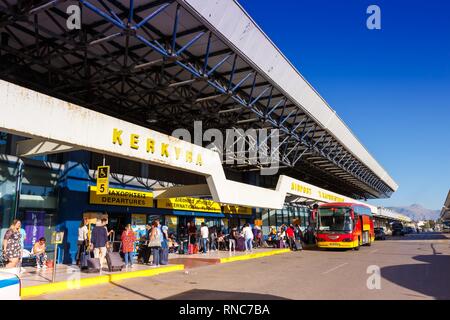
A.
pixel 102 180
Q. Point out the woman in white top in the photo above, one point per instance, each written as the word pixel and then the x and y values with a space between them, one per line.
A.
pixel 248 235
pixel 82 239
pixel 155 242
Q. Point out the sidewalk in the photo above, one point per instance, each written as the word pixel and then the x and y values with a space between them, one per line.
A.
pixel 215 257
pixel 37 282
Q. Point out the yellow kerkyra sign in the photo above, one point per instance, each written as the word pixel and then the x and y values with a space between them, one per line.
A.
pixel 121 197
pixel 151 146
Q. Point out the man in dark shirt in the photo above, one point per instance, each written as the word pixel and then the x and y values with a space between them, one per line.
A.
pixel 99 239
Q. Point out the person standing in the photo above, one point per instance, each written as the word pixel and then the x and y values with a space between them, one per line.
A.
pixel 204 234
pixel 155 243
pixel 39 251
pixel 233 239
pixel 144 249
pixel 192 231
pixel 313 216
pixel 128 238
pixel 248 236
pixel 23 237
pixel 99 240
pixel 82 239
pixel 12 248
pixel 213 239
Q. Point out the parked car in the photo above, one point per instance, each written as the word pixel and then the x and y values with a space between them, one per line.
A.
pixel 397 229
pixel 380 234
pixel 408 230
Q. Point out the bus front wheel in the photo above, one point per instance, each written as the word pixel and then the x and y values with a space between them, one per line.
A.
pixel 359 244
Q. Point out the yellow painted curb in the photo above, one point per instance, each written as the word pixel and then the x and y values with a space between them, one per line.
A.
pixel 92 281
pixel 254 255
pixel 146 273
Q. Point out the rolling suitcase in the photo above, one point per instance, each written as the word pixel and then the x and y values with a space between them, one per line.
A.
pixel 195 248
pixel 297 245
pixel 28 262
pixel 190 248
pixel 84 260
pixel 164 256
pixel 93 265
pixel 183 248
pixel 240 244
pixel 114 261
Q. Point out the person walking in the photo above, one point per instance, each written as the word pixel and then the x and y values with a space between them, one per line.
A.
pixel 155 243
pixel 290 234
pixel 39 252
pixel 99 240
pixel 12 249
pixel 204 234
pixel 82 239
pixel 128 238
pixel 248 236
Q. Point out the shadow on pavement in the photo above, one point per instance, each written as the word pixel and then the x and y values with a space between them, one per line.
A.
pixel 132 291
pixel 431 279
pixel 199 294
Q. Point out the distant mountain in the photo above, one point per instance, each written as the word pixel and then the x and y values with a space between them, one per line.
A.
pixel 417 212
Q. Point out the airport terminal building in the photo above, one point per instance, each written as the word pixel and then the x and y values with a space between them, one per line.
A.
pixel 113 91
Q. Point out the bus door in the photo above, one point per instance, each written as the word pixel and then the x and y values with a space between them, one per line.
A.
pixel 365 234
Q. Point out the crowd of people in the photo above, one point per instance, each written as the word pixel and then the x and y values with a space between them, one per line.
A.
pixel 191 240
pixel 155 241
pixel 214 238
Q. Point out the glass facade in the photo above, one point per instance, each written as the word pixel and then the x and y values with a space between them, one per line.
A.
pixel 286 216
pixel 37 204
pixel 8 176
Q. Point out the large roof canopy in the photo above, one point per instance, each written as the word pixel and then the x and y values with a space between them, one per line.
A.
pixel 165 64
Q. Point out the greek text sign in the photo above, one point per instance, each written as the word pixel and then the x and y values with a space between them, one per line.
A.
pixel 122 197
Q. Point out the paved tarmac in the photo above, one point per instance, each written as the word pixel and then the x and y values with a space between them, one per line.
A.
pixel 411 267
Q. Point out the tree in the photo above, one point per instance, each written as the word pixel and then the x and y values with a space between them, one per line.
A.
pixel 432 224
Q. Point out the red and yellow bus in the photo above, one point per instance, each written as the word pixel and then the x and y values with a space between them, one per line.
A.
pixel 344 225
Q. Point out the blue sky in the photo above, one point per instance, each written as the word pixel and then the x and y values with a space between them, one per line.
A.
pixel 391 86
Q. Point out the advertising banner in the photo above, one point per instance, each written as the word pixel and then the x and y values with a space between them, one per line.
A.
pixel 190 204
pixel 34 226
pixel 237 210
pixel 199 221
pixel 138 219
pixel 172 222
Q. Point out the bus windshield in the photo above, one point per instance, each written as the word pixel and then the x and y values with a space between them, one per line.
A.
pixel 335 219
